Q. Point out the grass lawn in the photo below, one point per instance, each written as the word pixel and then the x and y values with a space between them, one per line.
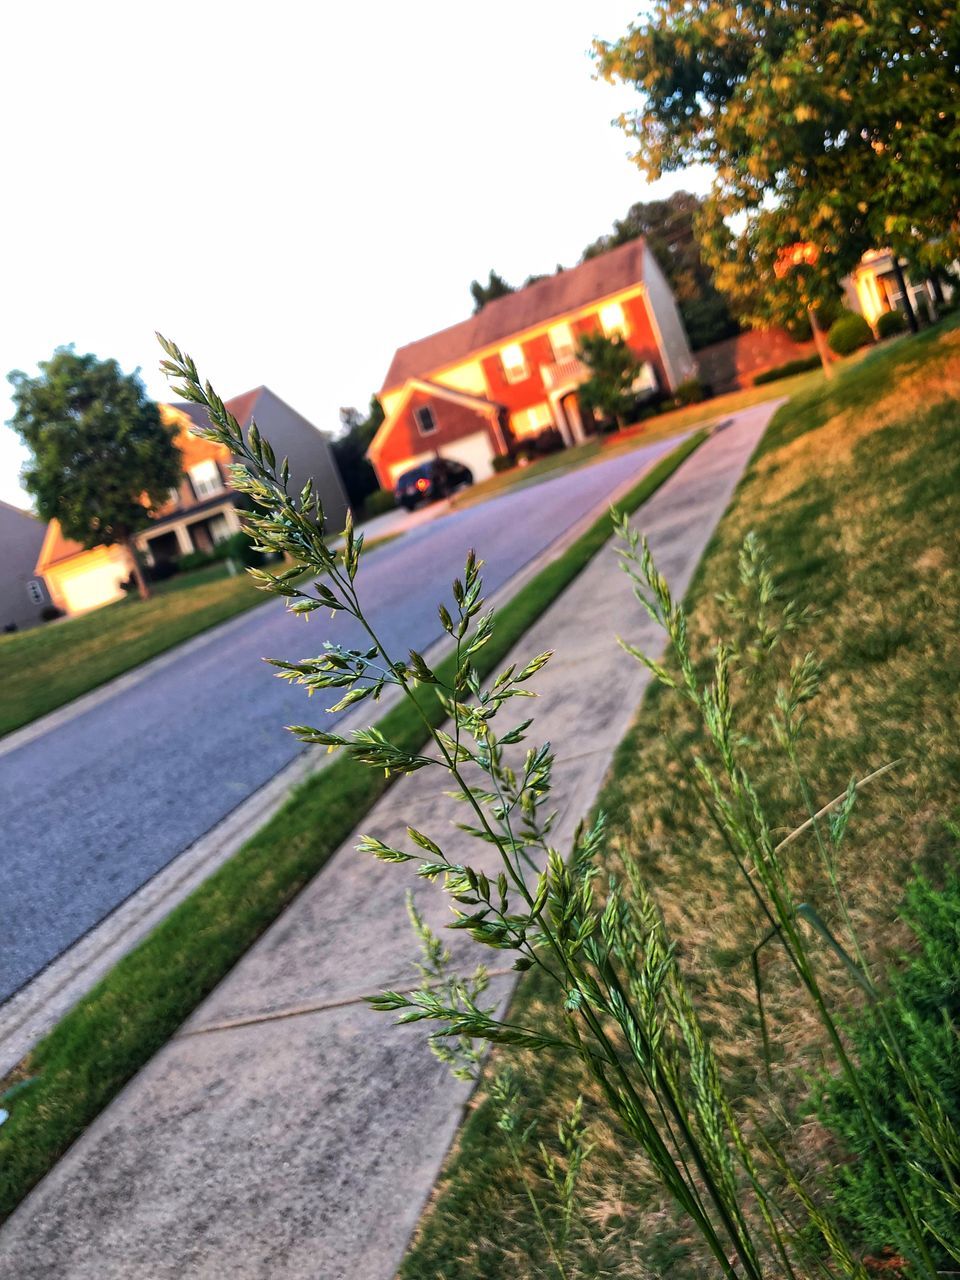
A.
pixel 45 667
pixel 855 492
pixel 95 1049
pixel 659 428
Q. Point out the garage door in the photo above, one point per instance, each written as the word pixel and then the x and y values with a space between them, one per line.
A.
pixel 91 587
pixel 474 451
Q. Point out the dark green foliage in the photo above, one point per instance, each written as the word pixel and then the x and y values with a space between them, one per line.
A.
pixel 923 1006
pixel 92 1052
pixel 376 503
pixel 848 333
pixel 496 287
pixel 689 392
pixel 787 370
pixel 613 370
pixel 503 462
pixel 101 459
pixel 669 228
pixel 890 324
pixel 350 451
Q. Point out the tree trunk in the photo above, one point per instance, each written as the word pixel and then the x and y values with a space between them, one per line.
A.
pixel 823 351
pixel 907 304
pixel 143 589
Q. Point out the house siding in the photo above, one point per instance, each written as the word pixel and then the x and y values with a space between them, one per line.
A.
pixel 406 443
pixel 21 537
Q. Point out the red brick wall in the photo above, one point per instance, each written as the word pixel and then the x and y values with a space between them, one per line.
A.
pixel 454 421
pixel 735 362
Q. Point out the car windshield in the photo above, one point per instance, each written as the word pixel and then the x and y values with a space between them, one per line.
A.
pixel 417 473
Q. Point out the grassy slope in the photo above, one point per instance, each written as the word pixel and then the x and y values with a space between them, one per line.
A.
pixel 657 428
pixel 114 1030
pixel 45 667
pixel 856 493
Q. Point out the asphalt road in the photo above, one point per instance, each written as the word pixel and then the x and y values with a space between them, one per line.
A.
pixel 92 809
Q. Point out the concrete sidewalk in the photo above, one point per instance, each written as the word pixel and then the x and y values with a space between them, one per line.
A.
pixel 287 1130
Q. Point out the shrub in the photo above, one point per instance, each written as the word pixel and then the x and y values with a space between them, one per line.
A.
pixel 197 560
pixel 239 547
pixel 787 370
pixel 377 503
pixel 50 612
pixel 689 392
pixel 503 462
pixel 890 324
pixel 923 1009
pixel 158 572
pixel 848 333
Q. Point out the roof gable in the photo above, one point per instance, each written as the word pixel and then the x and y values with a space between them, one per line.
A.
pixel 535 305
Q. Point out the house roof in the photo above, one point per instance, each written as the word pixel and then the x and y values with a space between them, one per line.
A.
pixel 536 304
pixel 241 406
pixel 57 547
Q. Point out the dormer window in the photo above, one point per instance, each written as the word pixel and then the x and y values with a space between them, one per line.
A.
pixel 205 478
pixel 612 320
pixel 514 362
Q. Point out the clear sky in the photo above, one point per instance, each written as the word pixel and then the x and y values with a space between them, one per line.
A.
pixel 291 190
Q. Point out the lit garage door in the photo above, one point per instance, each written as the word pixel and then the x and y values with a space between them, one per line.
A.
pixel 91 586
pixel 473 451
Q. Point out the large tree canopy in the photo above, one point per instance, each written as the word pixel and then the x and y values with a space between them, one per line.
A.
pixel 101 458
pixel 668 226
pixel 496 287
pixel 350 450
pixel 835 123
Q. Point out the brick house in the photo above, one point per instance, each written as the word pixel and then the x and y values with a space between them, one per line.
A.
pixel 474 390
pixel 202 510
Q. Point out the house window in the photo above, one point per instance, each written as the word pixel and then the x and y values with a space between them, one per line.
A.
pixel 219 529
pixel 174 497
pixel 514 362
pixel 35 591
pixel 530 422
pixel 426 420
pixel 613 321
pixel 562 341
pixel 206 479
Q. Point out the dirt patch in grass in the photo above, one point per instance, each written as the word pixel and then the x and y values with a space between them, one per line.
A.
pixel 855 493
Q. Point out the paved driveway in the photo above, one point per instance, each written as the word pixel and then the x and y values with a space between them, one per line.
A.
pixel 93 809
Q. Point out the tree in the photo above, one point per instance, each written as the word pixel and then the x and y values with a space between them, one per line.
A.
pixel 830 123
pixel 496 287
pixel 613 371
pixel 668 226
pixel 350 451
pixel 102 459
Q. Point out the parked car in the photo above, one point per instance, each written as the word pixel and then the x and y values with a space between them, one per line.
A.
pixel 431 481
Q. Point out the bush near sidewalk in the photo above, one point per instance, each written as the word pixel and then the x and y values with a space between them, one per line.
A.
pixel 94 1050
pixel 855 491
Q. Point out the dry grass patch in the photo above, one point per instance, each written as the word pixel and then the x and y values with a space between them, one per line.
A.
pixel 855 493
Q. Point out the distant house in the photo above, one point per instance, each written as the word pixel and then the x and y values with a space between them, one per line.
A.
pixel 874 286
pixel 23 595
pixel 472 391
pixel 202 510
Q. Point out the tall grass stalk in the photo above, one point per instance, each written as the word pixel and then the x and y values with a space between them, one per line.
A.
pixel 626 1012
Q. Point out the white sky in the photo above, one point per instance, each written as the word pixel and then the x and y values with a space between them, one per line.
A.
pixel 291 190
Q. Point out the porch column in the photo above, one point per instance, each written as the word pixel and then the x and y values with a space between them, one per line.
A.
pixel 560 418
pixel 232 519
pixel 576 422
pixel 184 541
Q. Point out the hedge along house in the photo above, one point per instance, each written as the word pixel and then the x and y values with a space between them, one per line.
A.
pixel 474 391
pixel 202 510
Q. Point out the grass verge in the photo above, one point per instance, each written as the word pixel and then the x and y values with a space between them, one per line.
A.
pixel 94 1050
pixel 855 490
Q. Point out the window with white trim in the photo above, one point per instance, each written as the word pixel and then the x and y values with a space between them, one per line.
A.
pixel 206 478
pixel 612 320
pixel 562 341
pixel 530 422
pixel 514 362
pixel 425 419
